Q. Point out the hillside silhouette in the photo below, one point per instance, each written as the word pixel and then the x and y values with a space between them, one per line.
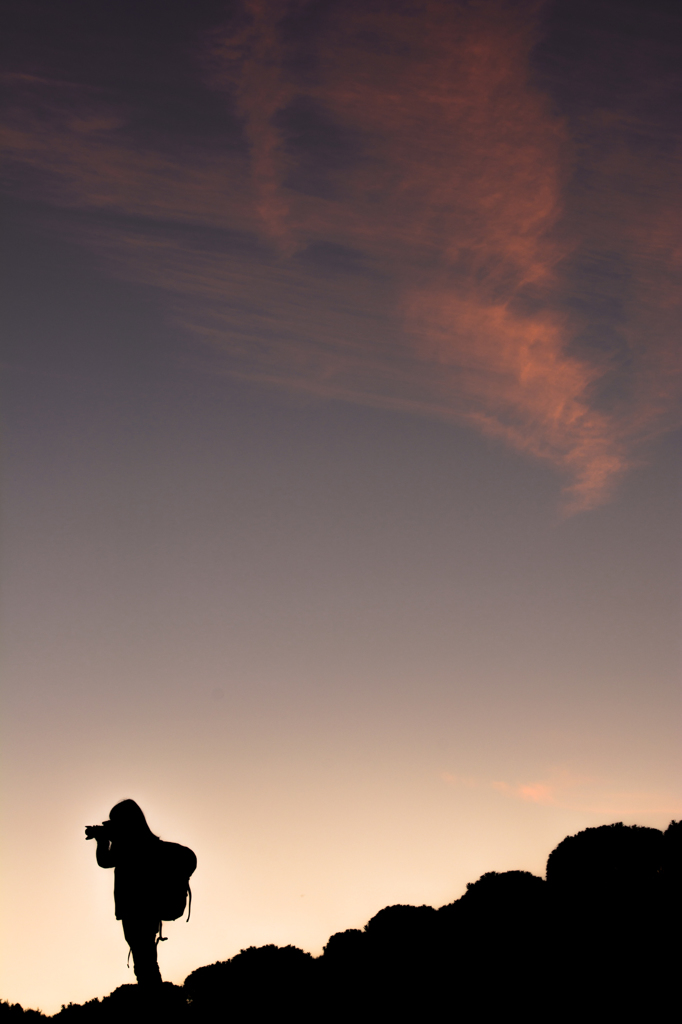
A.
pixel 597 939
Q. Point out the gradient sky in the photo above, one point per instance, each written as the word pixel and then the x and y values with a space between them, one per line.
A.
pixel 341 454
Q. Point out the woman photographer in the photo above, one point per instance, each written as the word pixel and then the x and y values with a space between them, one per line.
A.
pixel 126 843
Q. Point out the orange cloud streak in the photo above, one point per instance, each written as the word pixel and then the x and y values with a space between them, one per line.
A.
pixel 457 204
pixel 592 795
pixel 465 171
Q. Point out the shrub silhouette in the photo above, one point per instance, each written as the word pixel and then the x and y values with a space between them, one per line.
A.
pixel 490 937
pixel 610 914
pixel 671 860
pixel 345 947
pixel 612 862
pixel 14 1012
pixel 504 895
pixel 258 983
pixel 128 1002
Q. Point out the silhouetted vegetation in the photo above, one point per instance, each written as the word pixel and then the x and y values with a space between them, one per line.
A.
pixel 599 939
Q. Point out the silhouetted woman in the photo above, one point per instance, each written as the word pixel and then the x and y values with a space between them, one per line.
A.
pixel 127 844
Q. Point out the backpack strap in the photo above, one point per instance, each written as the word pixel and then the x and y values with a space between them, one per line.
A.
pixel 189 890
pixel 161 937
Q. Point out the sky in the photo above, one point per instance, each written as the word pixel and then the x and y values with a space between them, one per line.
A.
pixel 341 432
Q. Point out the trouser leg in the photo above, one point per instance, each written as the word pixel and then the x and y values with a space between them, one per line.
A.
pixel 140 934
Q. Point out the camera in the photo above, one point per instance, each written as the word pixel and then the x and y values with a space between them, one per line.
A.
pixel 102 831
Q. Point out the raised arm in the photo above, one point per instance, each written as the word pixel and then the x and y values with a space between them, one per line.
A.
pixel 101 834
pixel 104 856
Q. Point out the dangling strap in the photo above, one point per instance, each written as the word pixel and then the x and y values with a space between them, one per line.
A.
pixel 189 910
pixel 128 960
pixel 161 937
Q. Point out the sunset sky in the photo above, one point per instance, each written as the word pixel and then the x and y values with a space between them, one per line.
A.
pixel 341 501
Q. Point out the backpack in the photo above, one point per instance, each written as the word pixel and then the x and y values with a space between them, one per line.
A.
pixel 173 866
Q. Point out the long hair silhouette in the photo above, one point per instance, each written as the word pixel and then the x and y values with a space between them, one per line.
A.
pixel 129 823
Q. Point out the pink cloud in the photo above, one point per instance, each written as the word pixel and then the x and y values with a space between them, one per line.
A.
pixel 588 794
pixel 459 203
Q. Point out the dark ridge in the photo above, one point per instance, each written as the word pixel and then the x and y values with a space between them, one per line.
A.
pixel 598 940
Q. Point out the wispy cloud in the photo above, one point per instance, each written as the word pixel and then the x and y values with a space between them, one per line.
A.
pixel 405 220
pixel 569 790
pixel 562 788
